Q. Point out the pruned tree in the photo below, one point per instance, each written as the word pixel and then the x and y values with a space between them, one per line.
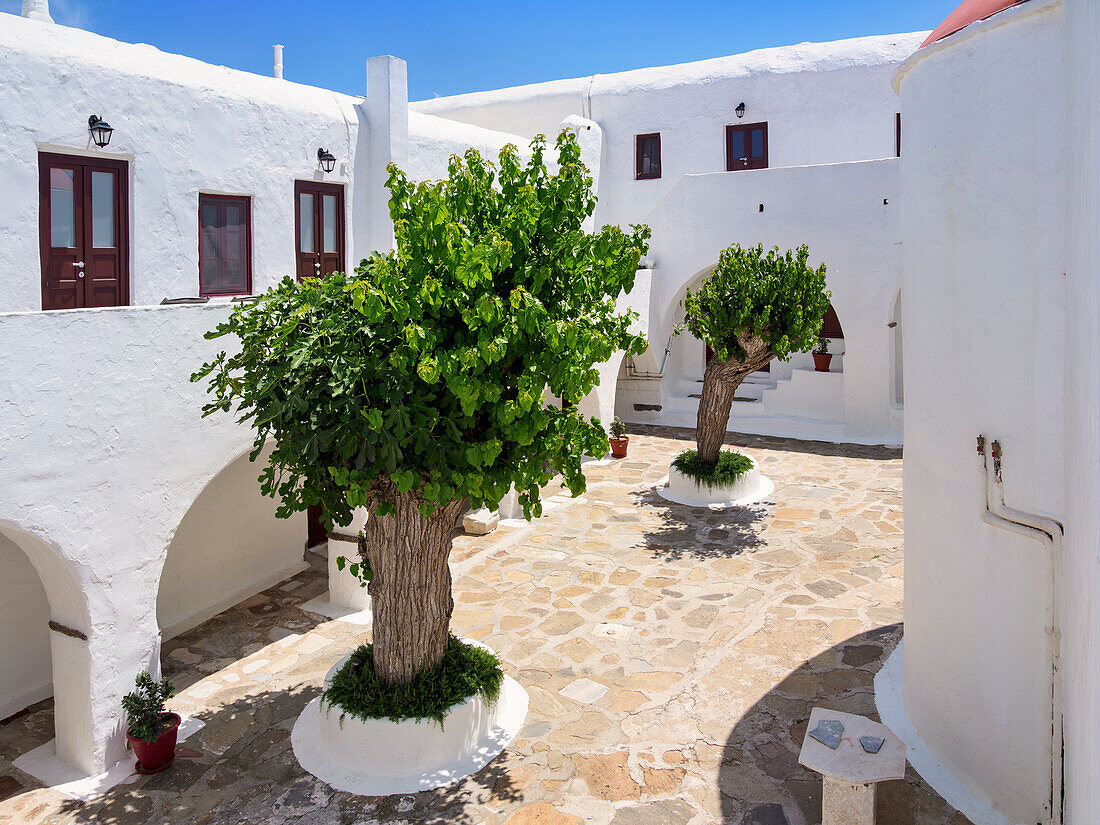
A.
pixel 415 387
pixel 754 307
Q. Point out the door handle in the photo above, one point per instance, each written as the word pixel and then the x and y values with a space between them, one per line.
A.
pixel 317 266
pixel 79 264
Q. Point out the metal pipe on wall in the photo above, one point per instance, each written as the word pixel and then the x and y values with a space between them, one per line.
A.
pixel 1048 532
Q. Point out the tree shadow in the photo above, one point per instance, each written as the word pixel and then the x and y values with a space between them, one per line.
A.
pixel 684 532
pixel 240 768
pixel 760 779
pixel 787 445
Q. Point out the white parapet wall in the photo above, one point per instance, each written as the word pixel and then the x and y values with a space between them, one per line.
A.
pixel 105 457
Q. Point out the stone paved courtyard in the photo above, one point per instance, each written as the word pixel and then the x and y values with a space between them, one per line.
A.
pixel 672 656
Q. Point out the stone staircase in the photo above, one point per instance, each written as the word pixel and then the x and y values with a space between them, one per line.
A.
pixel 803 404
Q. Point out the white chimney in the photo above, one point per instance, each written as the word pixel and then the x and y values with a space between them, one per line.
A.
pixel 278 60
pixel 37 10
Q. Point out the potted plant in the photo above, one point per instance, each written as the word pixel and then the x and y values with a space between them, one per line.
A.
pixel 822 357
pixel 618 438
pixel 152 729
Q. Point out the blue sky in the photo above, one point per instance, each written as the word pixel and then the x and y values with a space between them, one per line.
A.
pixel 454 47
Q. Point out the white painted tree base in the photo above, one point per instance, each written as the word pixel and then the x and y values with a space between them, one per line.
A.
pixel 377 757
pixel 749 488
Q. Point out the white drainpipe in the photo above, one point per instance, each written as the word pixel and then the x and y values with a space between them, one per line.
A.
pixel 1048 532
pixel 37 10
pixel 278 61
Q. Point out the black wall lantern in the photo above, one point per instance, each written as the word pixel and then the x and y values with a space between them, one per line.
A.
pixel 326 159
pixel 100 129
pixel 740 110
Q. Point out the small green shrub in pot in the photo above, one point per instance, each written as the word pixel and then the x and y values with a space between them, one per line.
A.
pixel 617 438
pixel 145 710
pixel 152 729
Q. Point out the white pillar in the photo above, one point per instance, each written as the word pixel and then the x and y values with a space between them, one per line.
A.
pixel 278 61
pixel 385 140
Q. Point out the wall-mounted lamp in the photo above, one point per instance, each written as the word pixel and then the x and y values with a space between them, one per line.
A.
pixel 326 159
pixel 100 129
pixel 740 110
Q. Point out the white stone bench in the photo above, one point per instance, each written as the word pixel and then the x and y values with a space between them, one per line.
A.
pixel 850 772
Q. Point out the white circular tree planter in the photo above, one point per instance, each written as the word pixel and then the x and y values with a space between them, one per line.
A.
pixel 750 487
pixel 377 757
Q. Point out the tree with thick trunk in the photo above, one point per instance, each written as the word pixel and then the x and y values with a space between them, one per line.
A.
pixel 415 387
pixel 754 307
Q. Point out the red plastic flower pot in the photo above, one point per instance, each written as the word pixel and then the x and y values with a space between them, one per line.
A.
pixel 822 361
pixel 618 447
pixel 156 756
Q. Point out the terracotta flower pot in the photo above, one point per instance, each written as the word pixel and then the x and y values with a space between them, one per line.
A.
pixel 822 361
pixel 618 447
pixel 156 756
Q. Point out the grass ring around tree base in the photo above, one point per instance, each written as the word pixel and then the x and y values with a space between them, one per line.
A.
pixel 464 671
pixel 729 467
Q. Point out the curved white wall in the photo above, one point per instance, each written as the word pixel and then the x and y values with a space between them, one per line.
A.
pixel 25 670
pixel 983 214
pixel 1082 564
pixel 228 546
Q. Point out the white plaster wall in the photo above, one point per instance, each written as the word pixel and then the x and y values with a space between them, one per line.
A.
pixel 25 672
pixel 824 103
pixel 228 546
pixel 185 127
pixel 433 140
pixel 1082 547
pixel 983 214
pixel 104 453
pixel 848 216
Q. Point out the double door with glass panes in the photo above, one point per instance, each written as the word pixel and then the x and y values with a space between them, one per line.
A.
pixel 83 232
pixel 319 227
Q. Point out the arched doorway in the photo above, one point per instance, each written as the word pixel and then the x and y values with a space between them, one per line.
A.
pixel 228 547
pixel 26 669
pixel 44 651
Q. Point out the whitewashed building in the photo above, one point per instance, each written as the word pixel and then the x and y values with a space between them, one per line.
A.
pixel 813 134
pixel 125 518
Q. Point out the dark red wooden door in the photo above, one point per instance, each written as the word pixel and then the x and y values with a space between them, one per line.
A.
pixel 83 232
pixel 747 147
pixel 318 228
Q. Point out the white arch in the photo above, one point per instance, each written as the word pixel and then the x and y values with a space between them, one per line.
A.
pixel 77 721
pixel 227 546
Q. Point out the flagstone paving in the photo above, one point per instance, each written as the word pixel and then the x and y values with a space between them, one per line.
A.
pixel 672 656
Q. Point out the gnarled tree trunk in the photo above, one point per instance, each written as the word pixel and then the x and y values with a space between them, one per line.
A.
pixel 410 587
pixel 720 382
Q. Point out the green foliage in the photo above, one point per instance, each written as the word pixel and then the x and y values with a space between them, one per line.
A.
pixel 776 296
pixel 723 473
pixel 463 671
pixel 144 707
pixel 822 347
pixel 360 569
pixel 424 372
pixel 617 428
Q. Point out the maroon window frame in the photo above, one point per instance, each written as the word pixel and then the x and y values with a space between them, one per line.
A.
pixel 225 249
pixel 647 156
pixel 747 156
